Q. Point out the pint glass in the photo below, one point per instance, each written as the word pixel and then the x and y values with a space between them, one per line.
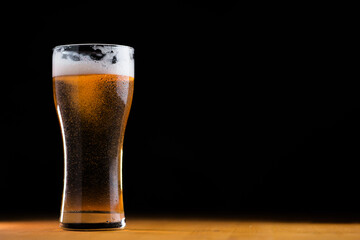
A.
pixel 93 88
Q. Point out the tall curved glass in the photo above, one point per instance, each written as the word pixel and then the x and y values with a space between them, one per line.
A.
pixel 93 88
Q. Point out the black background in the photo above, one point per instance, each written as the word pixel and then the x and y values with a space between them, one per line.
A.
pixel 237 108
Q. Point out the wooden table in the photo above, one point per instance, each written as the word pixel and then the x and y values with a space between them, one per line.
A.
pixel 186 228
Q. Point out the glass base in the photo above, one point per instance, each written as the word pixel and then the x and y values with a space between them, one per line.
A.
pixel 93 226
pixel 92 221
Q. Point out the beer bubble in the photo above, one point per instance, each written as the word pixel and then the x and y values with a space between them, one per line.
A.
pixel 75 57
pixel 97 55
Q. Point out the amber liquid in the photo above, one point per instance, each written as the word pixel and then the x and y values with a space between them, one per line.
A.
pixel 93 111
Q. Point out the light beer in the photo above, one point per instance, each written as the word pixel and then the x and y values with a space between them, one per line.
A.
pixel 93 109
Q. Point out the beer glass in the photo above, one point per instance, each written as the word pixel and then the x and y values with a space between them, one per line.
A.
pixel 93 88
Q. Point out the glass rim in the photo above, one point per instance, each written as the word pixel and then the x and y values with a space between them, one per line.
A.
pixel 92 44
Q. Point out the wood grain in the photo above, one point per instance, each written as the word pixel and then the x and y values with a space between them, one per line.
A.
pixel 172 228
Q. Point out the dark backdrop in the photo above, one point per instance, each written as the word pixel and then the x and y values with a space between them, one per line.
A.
pixel 237 108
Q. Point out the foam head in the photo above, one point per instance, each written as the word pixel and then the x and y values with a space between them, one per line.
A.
pixel 82 59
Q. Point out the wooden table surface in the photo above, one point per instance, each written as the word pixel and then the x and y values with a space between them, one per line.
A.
pixel 186 228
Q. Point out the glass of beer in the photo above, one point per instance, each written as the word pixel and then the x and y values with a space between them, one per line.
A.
pixel 93 87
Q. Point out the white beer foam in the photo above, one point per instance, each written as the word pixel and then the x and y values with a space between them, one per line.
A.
pixel 66 62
